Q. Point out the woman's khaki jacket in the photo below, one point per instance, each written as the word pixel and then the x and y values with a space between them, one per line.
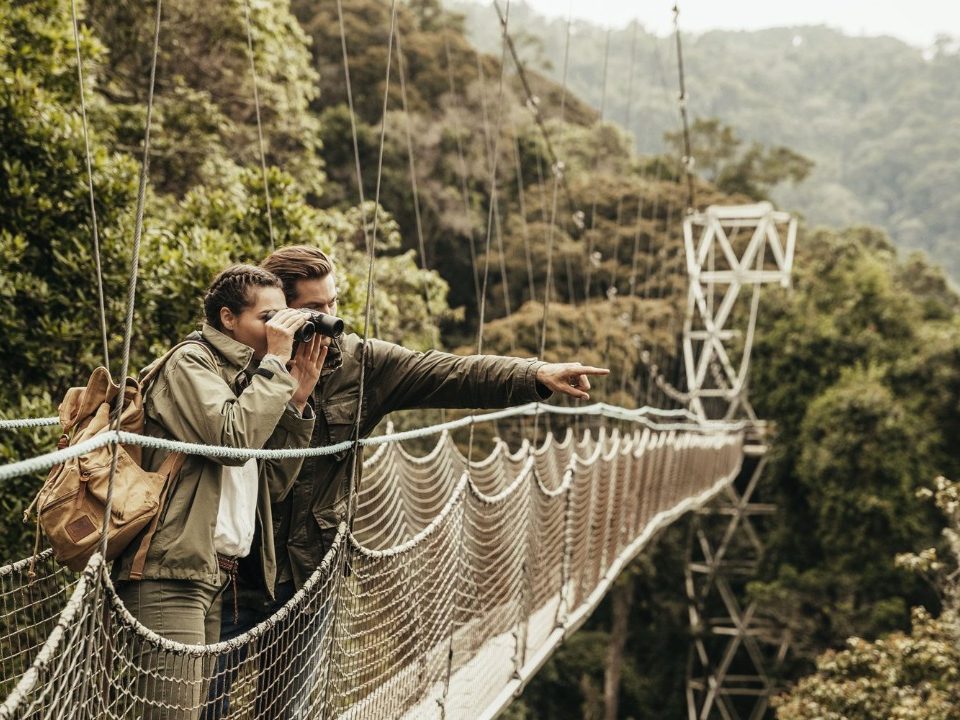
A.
pixel 196 400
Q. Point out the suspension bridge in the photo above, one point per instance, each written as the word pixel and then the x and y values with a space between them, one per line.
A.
pixel 456 577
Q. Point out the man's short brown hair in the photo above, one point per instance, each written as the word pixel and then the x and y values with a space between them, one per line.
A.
pixel 297 262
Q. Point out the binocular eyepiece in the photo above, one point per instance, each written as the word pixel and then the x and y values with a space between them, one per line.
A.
pixel 327 325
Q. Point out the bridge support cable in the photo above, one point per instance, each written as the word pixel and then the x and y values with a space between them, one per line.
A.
pixel 464 577
pixel 117 411
pixel 559 176
pixel 491 144
pixel 533 102
pixel 261 145
pixel 414 180
pixel 591 235
pixel 462 172
pixel 688 160
pixel 521 201
pixel 98 266
pixel 671 258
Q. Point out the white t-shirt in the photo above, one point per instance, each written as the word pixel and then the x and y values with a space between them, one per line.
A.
pixel 237 513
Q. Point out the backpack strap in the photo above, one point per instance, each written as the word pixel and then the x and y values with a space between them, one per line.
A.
pixel 169 468
pixel 157 366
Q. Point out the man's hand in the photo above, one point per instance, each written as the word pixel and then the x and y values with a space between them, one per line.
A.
pixel 306 367
pixel 569 378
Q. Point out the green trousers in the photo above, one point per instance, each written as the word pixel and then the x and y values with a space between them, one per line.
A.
pixel 171 686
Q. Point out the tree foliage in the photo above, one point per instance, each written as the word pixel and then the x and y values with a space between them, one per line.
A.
pixel 853 365
pixel 205 95
pixel 911 676
pixel 753 171
pixel 870 112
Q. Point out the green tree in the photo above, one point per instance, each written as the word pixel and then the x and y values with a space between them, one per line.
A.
pixel 48 295
pixel 205 103
pixel 911 676
pixel 753 172
pixel 837 364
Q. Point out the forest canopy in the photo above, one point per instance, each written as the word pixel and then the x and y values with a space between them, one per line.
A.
pixel 873 113
pixel 858 366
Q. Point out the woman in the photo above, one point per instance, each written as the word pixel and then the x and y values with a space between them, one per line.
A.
pixel 231 387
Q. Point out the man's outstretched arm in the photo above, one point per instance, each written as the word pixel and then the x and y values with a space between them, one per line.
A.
pixel 403 379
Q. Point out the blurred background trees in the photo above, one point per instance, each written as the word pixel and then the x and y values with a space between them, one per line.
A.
pixel 872 113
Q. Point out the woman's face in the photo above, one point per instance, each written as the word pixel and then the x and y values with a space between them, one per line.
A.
pixel 249 326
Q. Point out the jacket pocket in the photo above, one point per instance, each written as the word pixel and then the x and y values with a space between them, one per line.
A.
pixel 341 417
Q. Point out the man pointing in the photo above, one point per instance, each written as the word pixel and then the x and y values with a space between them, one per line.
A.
pixel 395 378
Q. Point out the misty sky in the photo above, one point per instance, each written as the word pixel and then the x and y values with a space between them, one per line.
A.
pixel 914 21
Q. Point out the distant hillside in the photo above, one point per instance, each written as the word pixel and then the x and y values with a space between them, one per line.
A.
pixel 877 116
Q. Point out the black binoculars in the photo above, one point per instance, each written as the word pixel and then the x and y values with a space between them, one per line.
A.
pixel 327 325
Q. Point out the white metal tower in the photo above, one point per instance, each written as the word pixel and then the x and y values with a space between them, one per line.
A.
pixel 732 252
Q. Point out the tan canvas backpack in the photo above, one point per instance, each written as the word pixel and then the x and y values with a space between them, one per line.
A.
pixel 70 505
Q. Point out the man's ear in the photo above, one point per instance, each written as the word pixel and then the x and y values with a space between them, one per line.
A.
pixel 227 319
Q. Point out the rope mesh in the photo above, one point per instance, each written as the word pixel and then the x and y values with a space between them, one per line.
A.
pixel 461 577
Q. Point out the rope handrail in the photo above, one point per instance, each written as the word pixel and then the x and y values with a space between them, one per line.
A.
pixel 20 423
pixel 48 460
pixel 462 555
pixel 23 423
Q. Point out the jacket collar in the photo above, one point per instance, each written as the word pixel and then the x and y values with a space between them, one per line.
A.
pixel 334 358
pixel 235 353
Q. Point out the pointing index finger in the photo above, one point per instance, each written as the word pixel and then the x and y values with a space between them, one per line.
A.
pixel 590 370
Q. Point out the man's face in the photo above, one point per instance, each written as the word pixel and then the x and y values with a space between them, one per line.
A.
pixel 318 294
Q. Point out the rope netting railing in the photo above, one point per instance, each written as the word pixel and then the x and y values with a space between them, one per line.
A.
pixel 460 578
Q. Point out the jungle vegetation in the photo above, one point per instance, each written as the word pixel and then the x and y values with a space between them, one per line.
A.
pixel 857 365
pixel 873 113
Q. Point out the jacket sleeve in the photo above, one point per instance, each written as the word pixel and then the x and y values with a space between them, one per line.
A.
pixel 196 405
pixel 293 431
pixel 403 379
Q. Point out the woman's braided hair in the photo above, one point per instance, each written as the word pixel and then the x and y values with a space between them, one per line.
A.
pixel 231 289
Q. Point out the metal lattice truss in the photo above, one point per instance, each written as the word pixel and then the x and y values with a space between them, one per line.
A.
pixel 736 652
pixel 729 249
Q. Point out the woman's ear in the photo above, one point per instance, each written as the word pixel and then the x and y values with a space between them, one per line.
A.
pixel 227 319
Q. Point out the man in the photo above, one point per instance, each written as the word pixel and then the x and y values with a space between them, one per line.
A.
pixel 395 379
pixel 306 517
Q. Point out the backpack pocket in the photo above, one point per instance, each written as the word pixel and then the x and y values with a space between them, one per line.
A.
pixel 72 508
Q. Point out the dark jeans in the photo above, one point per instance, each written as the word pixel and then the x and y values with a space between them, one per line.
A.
pixel 287 667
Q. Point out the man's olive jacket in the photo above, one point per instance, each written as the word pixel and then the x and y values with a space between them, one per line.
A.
pixel 197 398
pixel 305 520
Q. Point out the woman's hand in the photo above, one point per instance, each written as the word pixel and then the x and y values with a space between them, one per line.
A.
pixel 280 330
pixel 306 368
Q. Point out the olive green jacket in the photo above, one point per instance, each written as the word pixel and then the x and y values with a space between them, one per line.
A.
pixel 305 520
pixel 194 400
